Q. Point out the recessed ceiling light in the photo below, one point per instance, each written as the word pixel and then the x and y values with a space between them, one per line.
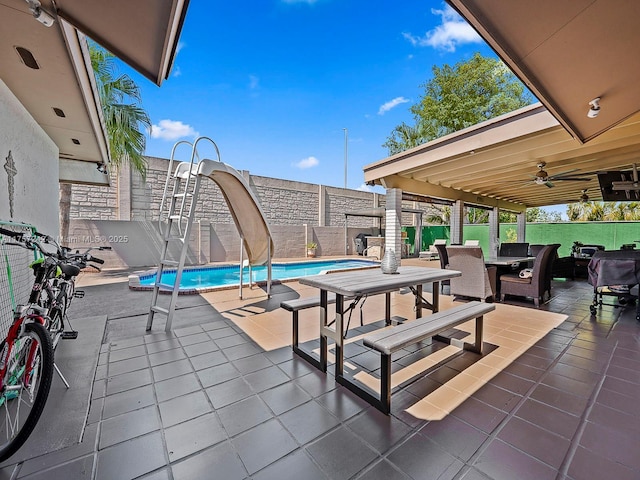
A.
pixel 75 141
pixel 27 58
pixel 59 112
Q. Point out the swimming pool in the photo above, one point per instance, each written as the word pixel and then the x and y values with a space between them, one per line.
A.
pixel 201 279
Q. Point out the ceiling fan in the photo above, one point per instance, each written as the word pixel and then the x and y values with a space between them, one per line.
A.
pixel 543 178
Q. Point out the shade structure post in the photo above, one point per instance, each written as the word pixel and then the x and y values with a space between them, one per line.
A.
pixel 241 264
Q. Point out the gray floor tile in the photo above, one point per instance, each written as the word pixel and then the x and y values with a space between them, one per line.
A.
pixel 228 392
pixel 285 397
pixel 128 381
pixel 308 421
pixel 224 457
pixel 183 408
pixel 296 465
pixel 241 351
pixel 341 454
pixel 263 445
pixel 131 459
pixel 200 348
pixel 218 374
pixel 243 415
pixel 383 471
pixel 166 356
pixel 127 401
pixel 192 436
pixel 208 360
pixel 422 458
pixel 379 430
pixel 265 379
pixel 79 469
pixel 170 370
pixel 129 365
pixel 129 425
pixel 253 363
pixel 195 338
pixel 126 353
pixel 176 386
pixel 168 344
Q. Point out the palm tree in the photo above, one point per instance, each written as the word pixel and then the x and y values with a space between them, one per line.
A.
pixel 125 121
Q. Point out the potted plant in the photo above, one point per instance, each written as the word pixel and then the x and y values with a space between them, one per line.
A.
pixel 311 249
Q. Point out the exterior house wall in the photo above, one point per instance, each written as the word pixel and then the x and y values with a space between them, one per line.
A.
pixel 29 189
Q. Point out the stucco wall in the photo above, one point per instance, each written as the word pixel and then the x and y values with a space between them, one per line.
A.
pixel 29 160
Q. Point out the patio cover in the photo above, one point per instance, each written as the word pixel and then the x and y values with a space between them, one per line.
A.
pixel 491 164
pixel 144 33
pixel 567 53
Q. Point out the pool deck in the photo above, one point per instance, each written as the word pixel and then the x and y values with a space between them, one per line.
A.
pixel 222 396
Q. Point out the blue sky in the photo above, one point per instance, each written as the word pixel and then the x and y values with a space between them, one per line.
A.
pixel 275 82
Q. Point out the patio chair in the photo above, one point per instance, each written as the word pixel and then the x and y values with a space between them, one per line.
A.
pixel 477 280
pixel 534 286
pixel 444 261
pixel 514 249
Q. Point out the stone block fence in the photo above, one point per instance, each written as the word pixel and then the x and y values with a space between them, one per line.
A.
pixel 125 216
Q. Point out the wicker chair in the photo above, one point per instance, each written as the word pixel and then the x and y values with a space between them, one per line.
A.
pixel 536 285
pixel 477 280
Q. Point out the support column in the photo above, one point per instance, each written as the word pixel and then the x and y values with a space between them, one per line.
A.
pixel 124 191
pixel 322 206
pixel 522 226
pixel 393 232
pixel 494 231
pixel 457 220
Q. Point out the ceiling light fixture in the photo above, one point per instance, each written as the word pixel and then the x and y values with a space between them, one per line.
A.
pixel 584 197
pixel 595 108
pixel 39 14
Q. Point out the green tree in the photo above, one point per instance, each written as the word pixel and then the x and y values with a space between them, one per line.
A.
pixel 603 211
pixel 126 122
pixel 458 97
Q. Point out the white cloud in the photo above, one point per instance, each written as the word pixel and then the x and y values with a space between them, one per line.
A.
pixel 176 72
pixel 385 107
pixel 254 82
pixel 365 188
pixel 308 162
pixel 453 31
pixel 180 46
pixel 172 130
pixel 293 2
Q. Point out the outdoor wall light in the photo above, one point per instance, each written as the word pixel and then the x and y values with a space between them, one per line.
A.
pixel 584 197
pixel 39 14
pixel 102 168
pixel 595 108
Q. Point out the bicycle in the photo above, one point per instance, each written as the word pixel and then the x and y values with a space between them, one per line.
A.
pixel 26 364
pixel 60 288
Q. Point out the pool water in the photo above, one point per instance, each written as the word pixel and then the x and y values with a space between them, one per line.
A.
pixel 229 275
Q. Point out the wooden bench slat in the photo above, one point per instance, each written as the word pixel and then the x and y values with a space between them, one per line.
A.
pixel 395 338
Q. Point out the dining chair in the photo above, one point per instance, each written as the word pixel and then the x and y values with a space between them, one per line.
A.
pixel 444 261
pixel 534 286
pixel 477 280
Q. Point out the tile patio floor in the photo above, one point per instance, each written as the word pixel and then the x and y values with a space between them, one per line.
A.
pixel 210 402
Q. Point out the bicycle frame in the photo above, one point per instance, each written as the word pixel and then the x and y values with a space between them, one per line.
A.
pixel 15 331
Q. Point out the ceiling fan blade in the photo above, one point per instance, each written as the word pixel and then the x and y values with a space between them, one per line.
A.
pixel 572 179
pixel 562 174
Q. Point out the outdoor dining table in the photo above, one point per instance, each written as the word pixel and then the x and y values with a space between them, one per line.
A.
pixel 506 261
pixel 359 284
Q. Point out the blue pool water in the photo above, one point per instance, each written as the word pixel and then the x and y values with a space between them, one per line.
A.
pixel 209 277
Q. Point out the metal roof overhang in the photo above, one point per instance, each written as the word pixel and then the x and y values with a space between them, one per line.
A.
pixel 144 33
pixel 492 164
pixel 567 53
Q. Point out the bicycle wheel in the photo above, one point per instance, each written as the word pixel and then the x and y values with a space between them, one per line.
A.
pixel 26 387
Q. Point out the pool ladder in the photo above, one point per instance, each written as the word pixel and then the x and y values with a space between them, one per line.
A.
pixel 178 207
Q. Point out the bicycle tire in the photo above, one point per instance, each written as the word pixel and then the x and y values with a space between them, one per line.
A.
pixel 14 402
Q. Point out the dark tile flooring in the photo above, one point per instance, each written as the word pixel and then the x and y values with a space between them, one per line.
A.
pixel 205 402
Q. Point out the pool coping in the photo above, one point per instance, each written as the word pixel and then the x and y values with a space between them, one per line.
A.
pixel 135 285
